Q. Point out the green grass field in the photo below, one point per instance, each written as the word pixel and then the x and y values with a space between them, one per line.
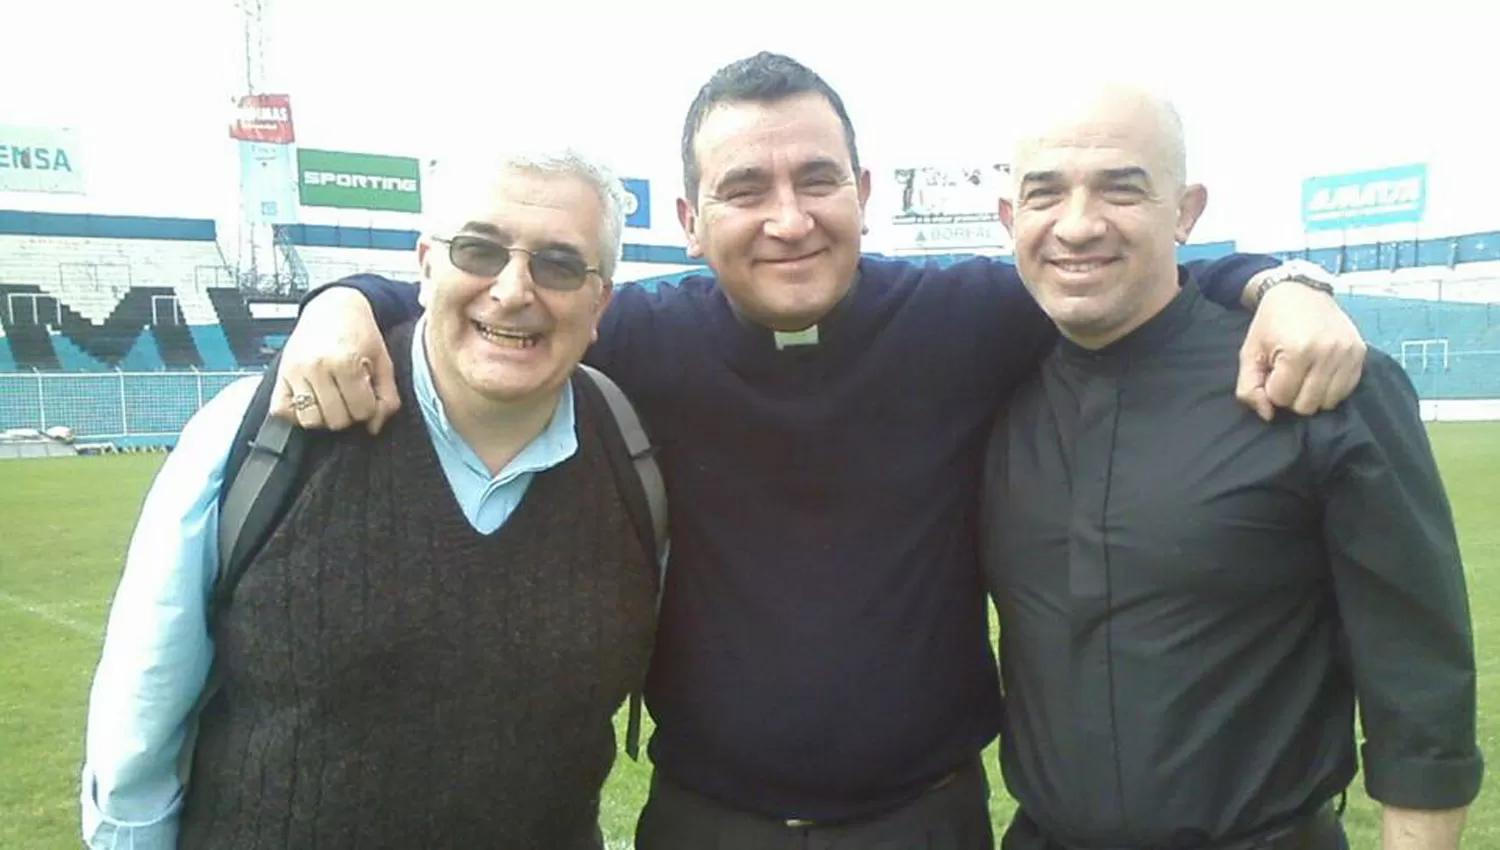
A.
pixel 64 526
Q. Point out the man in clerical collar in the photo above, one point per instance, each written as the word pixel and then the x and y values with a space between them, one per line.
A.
pixel 1192 599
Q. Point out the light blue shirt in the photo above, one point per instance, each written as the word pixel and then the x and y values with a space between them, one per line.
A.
pixel 157 650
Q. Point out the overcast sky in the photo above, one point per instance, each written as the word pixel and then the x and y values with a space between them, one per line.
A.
pixel 1293 90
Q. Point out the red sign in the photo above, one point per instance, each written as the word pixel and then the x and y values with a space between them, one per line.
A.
pixel 263 118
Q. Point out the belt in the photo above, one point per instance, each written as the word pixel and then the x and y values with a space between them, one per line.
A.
pixel 802 823
pixel 1304 833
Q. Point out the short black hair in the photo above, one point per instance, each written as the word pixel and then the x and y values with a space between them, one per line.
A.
pixel 762 78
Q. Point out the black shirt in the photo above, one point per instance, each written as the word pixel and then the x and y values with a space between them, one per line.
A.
pixel 1190 598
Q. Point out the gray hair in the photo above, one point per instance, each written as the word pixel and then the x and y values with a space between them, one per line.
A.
pixel 452 182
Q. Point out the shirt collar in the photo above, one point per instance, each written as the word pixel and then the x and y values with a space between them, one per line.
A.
pixel 557 442
pixel 1150 336
pixel 747 342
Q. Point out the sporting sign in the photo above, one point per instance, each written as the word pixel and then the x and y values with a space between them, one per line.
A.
pixel 359 181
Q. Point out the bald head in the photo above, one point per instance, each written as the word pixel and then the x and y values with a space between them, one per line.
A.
pixel 1100 203
pixel 1106 115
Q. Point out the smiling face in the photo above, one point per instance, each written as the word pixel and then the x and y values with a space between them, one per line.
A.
pixel 780 209
pixel 1099 208
pixel 503 326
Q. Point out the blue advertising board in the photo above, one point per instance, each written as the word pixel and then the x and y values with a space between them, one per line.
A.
pixel 637 202
pixel 1395 195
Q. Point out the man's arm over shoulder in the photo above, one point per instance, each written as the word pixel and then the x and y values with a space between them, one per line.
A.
pixel 1301 352
pixel 1223 280
pixel 157 650
pixel 1014 333
pixel 1402 597
pixel 336 362
pixel 998 286
pixel 336 355
pixel 391 301
pixel 1007 329
pixel 628 347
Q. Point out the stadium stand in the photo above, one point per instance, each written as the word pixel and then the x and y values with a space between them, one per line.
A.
pixel 90 293
pixel 237 330
pixel 322 252
pixel 121 327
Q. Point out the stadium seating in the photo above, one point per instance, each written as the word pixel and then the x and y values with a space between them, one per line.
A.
pixel 90 293
pixel 324 264
pixel 237 331
pixel 88 303
pixel 151 302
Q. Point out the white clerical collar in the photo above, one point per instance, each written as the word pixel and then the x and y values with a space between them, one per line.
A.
pixel 792 339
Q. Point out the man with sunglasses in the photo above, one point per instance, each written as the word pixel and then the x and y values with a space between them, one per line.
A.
pixel 480 253
pixel 430 648
pixel 822 675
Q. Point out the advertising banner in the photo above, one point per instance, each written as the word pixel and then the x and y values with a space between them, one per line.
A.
pixel 263 118
pixel 359 181
pixel 637 202
pixel 40 159
pixel 950 208
pixel 1396 195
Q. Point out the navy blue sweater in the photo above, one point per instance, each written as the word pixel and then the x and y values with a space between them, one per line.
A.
pixel 823 649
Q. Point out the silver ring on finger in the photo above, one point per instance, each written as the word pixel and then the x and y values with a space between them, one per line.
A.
pixel 302 401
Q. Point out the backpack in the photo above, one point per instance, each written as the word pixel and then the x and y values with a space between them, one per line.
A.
pixel 271 459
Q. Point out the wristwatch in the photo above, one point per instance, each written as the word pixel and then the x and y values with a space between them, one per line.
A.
pixel 1298 271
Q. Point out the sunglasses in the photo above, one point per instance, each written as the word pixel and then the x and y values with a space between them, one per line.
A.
pixel 563 271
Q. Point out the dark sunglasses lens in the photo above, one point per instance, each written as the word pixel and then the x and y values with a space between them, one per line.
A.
pixel 558 272
pixel 479 257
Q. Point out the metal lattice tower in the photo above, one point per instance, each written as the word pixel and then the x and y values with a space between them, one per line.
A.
pixel 253 15
pixel 256 257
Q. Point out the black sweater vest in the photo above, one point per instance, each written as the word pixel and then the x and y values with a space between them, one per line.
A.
pixel 395 679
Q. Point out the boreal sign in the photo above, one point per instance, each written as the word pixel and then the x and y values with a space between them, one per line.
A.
pixel 1396 195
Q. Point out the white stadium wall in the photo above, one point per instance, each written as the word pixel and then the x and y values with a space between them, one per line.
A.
pixel 1460 410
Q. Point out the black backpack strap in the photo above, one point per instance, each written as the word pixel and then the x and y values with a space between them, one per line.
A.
pixel 267 464
pixel 645 497
pixel 642 454
pixel 243 509
pixel 264 471
pixel 237 493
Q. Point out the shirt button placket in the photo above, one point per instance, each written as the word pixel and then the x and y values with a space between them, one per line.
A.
pixel 1090 591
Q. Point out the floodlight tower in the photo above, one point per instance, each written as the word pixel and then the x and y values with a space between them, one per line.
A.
pixel 256 259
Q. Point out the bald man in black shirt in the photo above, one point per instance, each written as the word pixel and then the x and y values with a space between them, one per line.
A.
pixel 1192 599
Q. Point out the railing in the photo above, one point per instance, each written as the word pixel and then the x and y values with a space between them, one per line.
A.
pixel 151 408
pixel 121 407
pixel 297 270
